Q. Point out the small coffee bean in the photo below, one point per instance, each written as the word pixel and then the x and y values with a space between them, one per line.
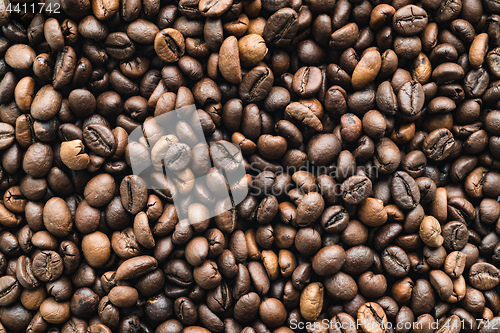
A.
pixel 123 296
pixel 405 190
pixel 133 193
pixel 135 267
pixel 395 261
pixel 9 290
pixel 307 81
pixel 73 155
pixel 47 266
pixel 7 135
pixel 20 56
pixel 303 114
pixel 373 318
pixel 439 144
pixel 409 20
pixel 311 301
pixel 96 249
pixel 484 276
pixel 281 27
pixel 99 139
pixel 366 70
pixel 169 44
pixel 256 84
pixel 100 190
pixel 430 232
pixel 54 312
pixel 355 189
pixel 229 60
pixel 57 217
pixel 455 235
pixel 328 260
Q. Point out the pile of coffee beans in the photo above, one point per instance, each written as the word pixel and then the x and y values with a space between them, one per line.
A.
pixel 368 132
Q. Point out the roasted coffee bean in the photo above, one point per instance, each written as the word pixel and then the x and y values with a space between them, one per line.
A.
pixel 328 260
pixel 47 266
pixel 405 190
pixel 133 194
pixel 484 276
pixel 57 217
pixel 334 219
pixel 355 189
pixel 304 115
pixel 372 317
pixel 455 235
pixel 256 84
pixel 307 81
pixel 99 139
pixel 311 301
pixel 365 133
pixel 10 290
pixel 439 144
pixel 281 27
pixel 395 261
pixel 430 232
pixel 410 20
pixel 169 44
pixel 136 267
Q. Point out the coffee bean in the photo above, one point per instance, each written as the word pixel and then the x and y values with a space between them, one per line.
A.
pixel 256 84
pixel 307 81
pixel 366 70
pixel 169 44
pixel 20 56
pixel 9 290
pixel 281 27
pixel 410 20
pixel 99 139
pixel 405 190
pixel 24 273
pixel 47 266
pixel 303 114
pixel 311 301
pixel 372 317
pixel 411 98
pixel 455 264
pixel 229 60
pixel 334 219
pixel 439 144
pixel 355 189
pixel 133 193
pixel 395 261
pixel 100 190
pixel 447 73
pixel 455 235
pixel 57 217
pixel 123 296
pixel 386 157
pixel 96 249
pixel 7 136
pixel 344 37
pixel 430 232
pixel 136 267
pixel 483 276
pixel 64 67
pixel 246 308
pixel 54 312
pixel 328 260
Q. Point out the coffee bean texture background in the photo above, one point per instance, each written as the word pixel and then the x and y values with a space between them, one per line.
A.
pixel 334 166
